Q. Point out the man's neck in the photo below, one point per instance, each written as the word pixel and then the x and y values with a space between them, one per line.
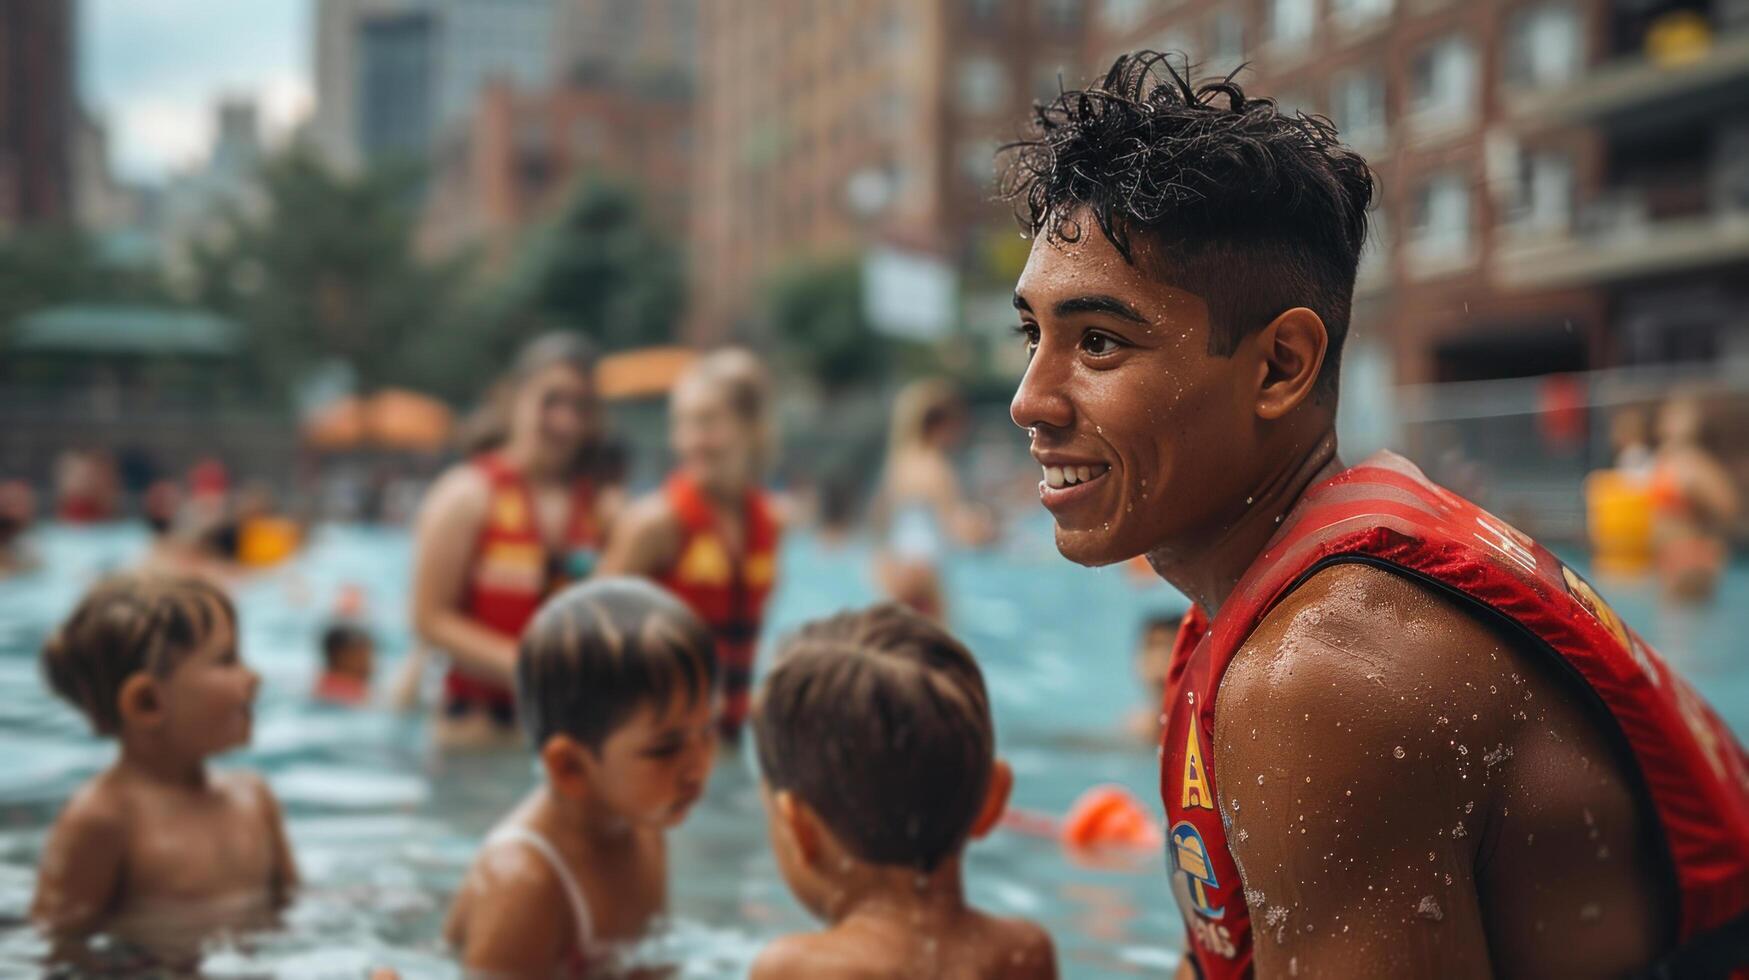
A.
pixel 1207 569
pixel 156 764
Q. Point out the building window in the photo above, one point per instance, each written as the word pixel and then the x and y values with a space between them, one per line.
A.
pixel 1375 256
pixel 1050 80
pixel 1439 223
pixel 1543 202
pixel 1121 15
pixel 1357 107
pixel 1442 81
pixel 1353 12
pixel 982 85
pixel 1178 47
pixel 1291 21
pixel 1061 15
pixel 1226 41
pixel 1542 46
pixel 978 162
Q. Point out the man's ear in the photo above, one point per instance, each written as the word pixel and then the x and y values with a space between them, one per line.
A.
pixel 569 766
pixel 141 701
pixel 1291 354
pixel 802 824
pixel 995 798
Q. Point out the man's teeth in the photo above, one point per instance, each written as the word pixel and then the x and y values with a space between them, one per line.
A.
pixel 1057 477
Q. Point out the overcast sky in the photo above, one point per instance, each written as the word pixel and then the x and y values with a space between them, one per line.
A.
pixel 153 69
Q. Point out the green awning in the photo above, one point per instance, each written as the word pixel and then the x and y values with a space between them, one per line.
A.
pixel 140 330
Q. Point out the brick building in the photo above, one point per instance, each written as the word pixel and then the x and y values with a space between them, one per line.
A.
pixel 1562 184
pixel 824 127
pixel 38 111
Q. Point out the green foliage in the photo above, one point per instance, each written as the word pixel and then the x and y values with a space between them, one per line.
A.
pixel 821 328
pixel 600 266
pixel 327 272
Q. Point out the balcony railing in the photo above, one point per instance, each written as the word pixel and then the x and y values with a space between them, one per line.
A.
pixel 1617 241
pixel 1639 89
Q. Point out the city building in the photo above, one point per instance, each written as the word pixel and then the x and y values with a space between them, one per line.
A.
pixel 1562 182
pixel 393 76
pixel 38 111
pixel 829 128
pixel 195 206
pixel 523 150
pixel 644 42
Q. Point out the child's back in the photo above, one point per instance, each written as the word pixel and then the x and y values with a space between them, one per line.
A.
pixel 878 753
pixel 614 685
pixel 155 849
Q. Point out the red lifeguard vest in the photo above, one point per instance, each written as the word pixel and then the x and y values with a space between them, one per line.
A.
pixel 513 570
pixel 726 590
pixel 1384 512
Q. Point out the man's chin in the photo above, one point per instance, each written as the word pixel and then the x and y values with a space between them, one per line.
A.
pixel 1093 549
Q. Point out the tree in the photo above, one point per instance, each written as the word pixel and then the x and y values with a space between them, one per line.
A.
pixel 326 271
pixel 50 266
pixel 600 266
pixel 819 323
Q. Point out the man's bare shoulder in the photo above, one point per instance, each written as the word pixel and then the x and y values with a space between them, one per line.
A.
pixel 1362 641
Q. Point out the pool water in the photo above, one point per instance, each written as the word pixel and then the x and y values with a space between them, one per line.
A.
pixel 384 826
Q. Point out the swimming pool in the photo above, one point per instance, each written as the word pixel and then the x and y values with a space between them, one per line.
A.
pixel 384 827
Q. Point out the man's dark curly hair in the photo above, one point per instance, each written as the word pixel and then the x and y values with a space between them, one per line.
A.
pixel 1254 209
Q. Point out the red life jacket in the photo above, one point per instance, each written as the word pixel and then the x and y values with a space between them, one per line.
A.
pixel 513 570
pixel 727 591
pixel 1385 513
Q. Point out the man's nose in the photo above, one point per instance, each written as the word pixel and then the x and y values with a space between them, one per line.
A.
pixel 1042 400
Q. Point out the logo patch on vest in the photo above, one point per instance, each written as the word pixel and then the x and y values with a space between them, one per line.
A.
pixel 1599 610
pixel 1194 787
pixel 1190 858
pixel 705 562
pixel 508 513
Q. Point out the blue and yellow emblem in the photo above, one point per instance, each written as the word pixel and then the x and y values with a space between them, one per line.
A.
pixel 1190 858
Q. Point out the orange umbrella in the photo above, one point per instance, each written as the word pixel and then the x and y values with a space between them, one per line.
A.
pixel 642 373
pixel 339 425
pixel 396 418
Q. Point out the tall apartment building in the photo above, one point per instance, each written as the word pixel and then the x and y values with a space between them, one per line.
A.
pixel 38 111
pixel 523 150
pixel 392 76
pixel 626 41
pixel 1562 181
pixel 825 127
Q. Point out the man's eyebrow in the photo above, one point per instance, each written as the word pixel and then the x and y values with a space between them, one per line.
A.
pixel 1108 305
pixel 1020 303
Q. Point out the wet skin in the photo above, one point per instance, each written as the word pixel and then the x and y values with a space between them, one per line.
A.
pixel 1554 872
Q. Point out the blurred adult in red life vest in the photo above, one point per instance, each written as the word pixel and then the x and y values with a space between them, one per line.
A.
pixel 522 516
pixel 710 533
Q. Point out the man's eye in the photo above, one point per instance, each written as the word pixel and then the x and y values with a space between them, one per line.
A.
pixel 1098 344
pixel 1028 335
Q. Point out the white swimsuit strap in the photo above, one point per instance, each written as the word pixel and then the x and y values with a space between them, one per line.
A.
pixel 573 892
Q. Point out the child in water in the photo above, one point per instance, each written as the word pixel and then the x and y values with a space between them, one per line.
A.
pixel 348 658
pixel 615 685
pixel 878 753
pixel 157 849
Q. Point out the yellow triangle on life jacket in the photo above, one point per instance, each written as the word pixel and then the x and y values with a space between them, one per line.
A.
pixel 1196 794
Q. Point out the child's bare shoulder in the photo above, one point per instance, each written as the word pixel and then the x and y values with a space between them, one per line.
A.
pixel 1027 946
pixel 100 807
pixel 510 901
pixel 811 954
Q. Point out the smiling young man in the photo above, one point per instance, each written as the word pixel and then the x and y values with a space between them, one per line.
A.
pixel 1436 751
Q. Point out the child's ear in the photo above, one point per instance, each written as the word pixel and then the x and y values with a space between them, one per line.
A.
pixel 569 766
pixel 995 798
pixel 800 821
pixel 141 701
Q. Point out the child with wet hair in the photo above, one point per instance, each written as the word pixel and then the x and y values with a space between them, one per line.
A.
pixel 157 849
pixel 878 753
pixel 616 688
